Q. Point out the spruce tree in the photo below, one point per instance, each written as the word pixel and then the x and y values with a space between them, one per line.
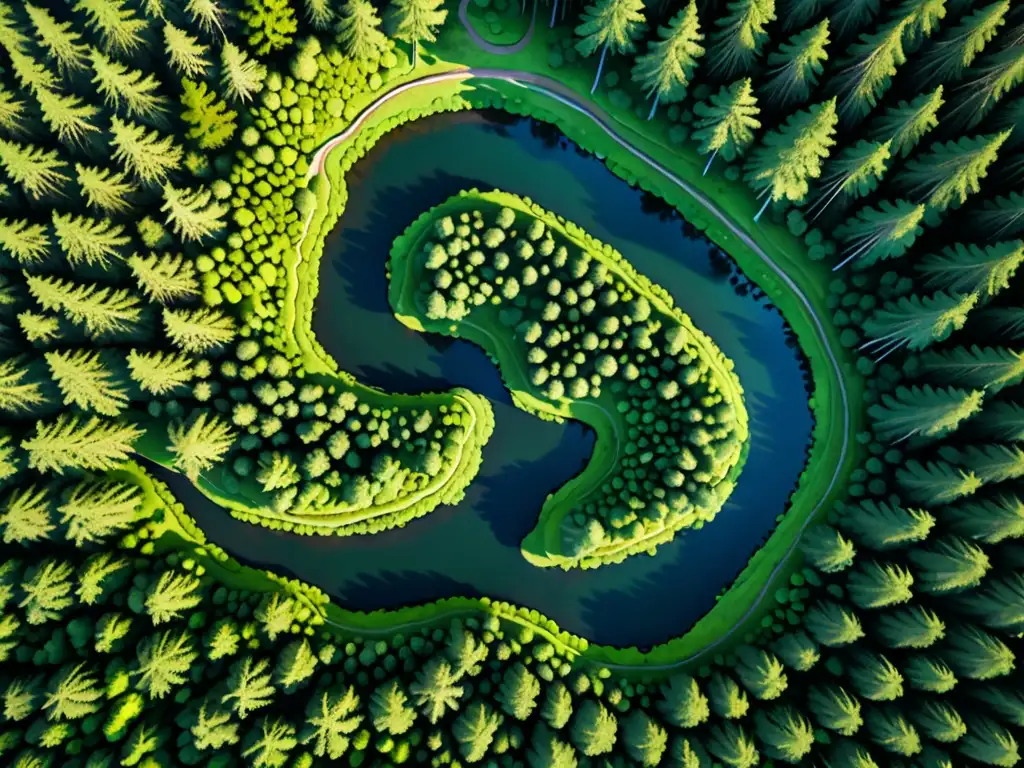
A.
pixel 609 25
pixel 667 67
pixel 948 173
pixel 359 32
pixel 906 123
pixel 417 21
pixel 87 381
pixel 212 123
pixel 916 322
pixel 726 122
pixel 241 76
pixel 137 91
pixel 794 69
pixel 741 33
pixel 200 446
pixel 984 270
pixel 923 412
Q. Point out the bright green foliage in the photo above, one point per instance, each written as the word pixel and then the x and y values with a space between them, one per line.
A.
pixel 741 34
pixel 71 442
pixel 115 22
pixel 910 627
pixel 989 743
pixel 792 155
pixel 939 721
pixel 726 122
pixel 159 373
pixel 104 188
pixel 68 116
pixel 17 393
pixel 184 51
pixel 93 576
pixel 518 692
pixel 137 91
pixel 875 585
pixel 173 594
pixel 645 739
pixel 47 591
pixel 213 728
pixel 761 673
pixel 212 123
pixel 143 152
pixel 201 445
pixel 990 369
pixel 206 14
pixel 728 700
pixel 164 662
pixel 683 705
pixel 279 471
pixel 976 654
pixel 61 42
pixel 918 322
pixel 331 717
pixel 946 59
pixel 875 677
pixel 923 412
pixel 93 511
pixel 826 549
pixel 797 651
pixel 891 731
pixel 270 24
pixel 24 241
pixel 21 699
pixel 833 625
pixel 198 330
pixel 295 665
pixel 996 75
pixel 871 64
pixel 854 173
pixel 907 122
pixel 165 278
pixel 72 694
pixel 594 729
pixel 276 615
pixel 12 111
pixel 609 25
pixel 936 482
pixel 37 327
pixel 223 640
pixel 795 67
pixel 86 381
pixel 192 213
pixel 474 730
pixel 269 747
pixel 667 67
pixel 557 708
pixel 241 76
pixel 988 520
pixel 784 734
pixel 88 240
pixel 967 269
pixel 835 709
pixel 417 21
pixel 951 564
pixel 38 171
pixel 26 515
pixel 547 751
pixel 249 686
pixel 390 710
pixel 731 744
pixel 319 12
pixel 949 173
pixel 359 31
pixel 929 674
pixel 435 690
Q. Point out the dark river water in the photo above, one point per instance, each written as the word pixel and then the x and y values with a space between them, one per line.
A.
pixel 473 548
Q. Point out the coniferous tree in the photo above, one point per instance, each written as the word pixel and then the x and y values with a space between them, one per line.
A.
pixel 159 373
pixel 646 740
pixel 331 716
pixel 57 38
pixel 683 705
pixel 38 171
pixel 995 75
pixel 88 240
pixel 96 510
pixel 976 654
pixel 86 381
pixel 249 686
pixel 94 575
pixel 784 734
pixel 417 21
pixel 946 58
pixel 200 446
pixel 47 591
pixel 435 690
pixel 833 625
pixel 855 173
pixel 118 26
pixel 212 123
pixel 24 241
pixel 998 603
pixel 989 521
pixel 164 662
pixel 319 13
pixel 213 728
pixel 966 269
pixel 906 123
pixel 951 564
pixel 359 31
pixel 875 585
pixel 917 322
pixel 198 330
pixel 874 677
pixel 726 122
pixel 874 234
pixel 270 24
pixel 137 91
pixel 184 51
pixel 68 116
pixel 949 173
pixel 206 14
pixel 474 730
pixel 73 693
pixel 192 214
pixel 667 67
pixel 105 189
pixel 17 393
pixel 936 482
pixel 547 751
pixel 270 745
pixel 835 709
pixel 797 651
pixel 143 152
pixel 887 728
pixel 870 66
pixel 731 744
pixel 172 594
pixel 241 76
pixel 910 627
pixel 594 728
pixel 609 25
pixel 518 692
pixel 557 708
pixel 26 515
pixel 827 549
pixel 12 112
pixel 923 412
pixel 165 278
pixel 761 673
pixel 1002 216
pixel 789 157
pixel 727 699
pixel 295 665
pixel 737 43
pixel 71 443
pixel 390 711
pixel 795 67
pixel 926 673
pixel 988 743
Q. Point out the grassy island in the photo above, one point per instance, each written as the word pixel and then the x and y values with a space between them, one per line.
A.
pixel 579 334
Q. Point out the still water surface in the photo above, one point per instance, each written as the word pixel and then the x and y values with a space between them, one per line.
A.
pixel 473 548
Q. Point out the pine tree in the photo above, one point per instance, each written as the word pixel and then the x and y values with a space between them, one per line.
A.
pixel 11 35
pixel 201 446
pixel 86 381
pixel 68 116
pixel 47 590
pixel 726 122
pixel 165 661
pixel 192 213
pixel 390 711
pixel 557 707
pixel 104 188
pixel 787 158
pixel 609 25
pixel 330 717
pixel 518 692
pixel 976 654
pixel 138 91
pixel 212 123
pixel 165 278
pixel 95 510
pixel 874 585
pixel 993 77
pixel 37 327
pixel 172 594
pixel 951 564
pixel 797 651
pixel 241 76
pixel 93 575
pixel 38 171
pixel 998 604
pixel 645 739
pixel 1002 215
pixel 761 673
pixel 795 67
pixel 12 111
pixel 270 745
pixel 949 173
pixel 728 700
pixel 249 686
pixel 144 152
pixel 989 463
pixel 875 234
pixel 923 412
pixel 929 674
pixel 594 728
pixel 916 322
pixel 275 615
pixel 435 690
pixel 198 330
pixel 223 640
pixel 295 665
pixel 474 730
pixel 887 728
pixel 737 44
pixel 100 310
pixel 868 70
pixel 826 549
pixel 547 751
pixel 26 515
pixel 946 59
pixel 73 693
pixel 89 240
pixel 320 13
pixel 906 123
pixel 835 709
pixel 988 743
pixel 17 394
pixel 683 705
pixel 69 442
pixel 61 42
pixel 185 53
pixel 733 746
pixel 359 31
pixel 910 627
pixel 207 15
pixel 10 462
pixel 924 16
pixel 213 729
pixel 1006 704
pixel 833 625
pixel 936 482
pixel 116 24
pixel 965 269
pixel 989 521
pixel 417 21
pixel 855 173
pixel 990 369
pixel 784 734
pixel 270 24
pixel 667 67
pixel 160 373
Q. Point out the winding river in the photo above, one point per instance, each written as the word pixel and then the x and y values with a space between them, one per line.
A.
pixel 473 548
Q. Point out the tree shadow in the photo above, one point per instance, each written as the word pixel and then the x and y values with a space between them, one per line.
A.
pixel 398 589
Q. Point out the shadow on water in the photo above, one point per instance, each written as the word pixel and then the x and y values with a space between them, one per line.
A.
pixel 472 548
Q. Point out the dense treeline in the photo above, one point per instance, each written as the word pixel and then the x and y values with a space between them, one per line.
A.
pixel 590 335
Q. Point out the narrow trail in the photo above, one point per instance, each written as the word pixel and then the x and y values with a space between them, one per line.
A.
pixel 605 122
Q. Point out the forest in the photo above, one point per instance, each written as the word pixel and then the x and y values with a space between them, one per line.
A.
pixel 156 158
